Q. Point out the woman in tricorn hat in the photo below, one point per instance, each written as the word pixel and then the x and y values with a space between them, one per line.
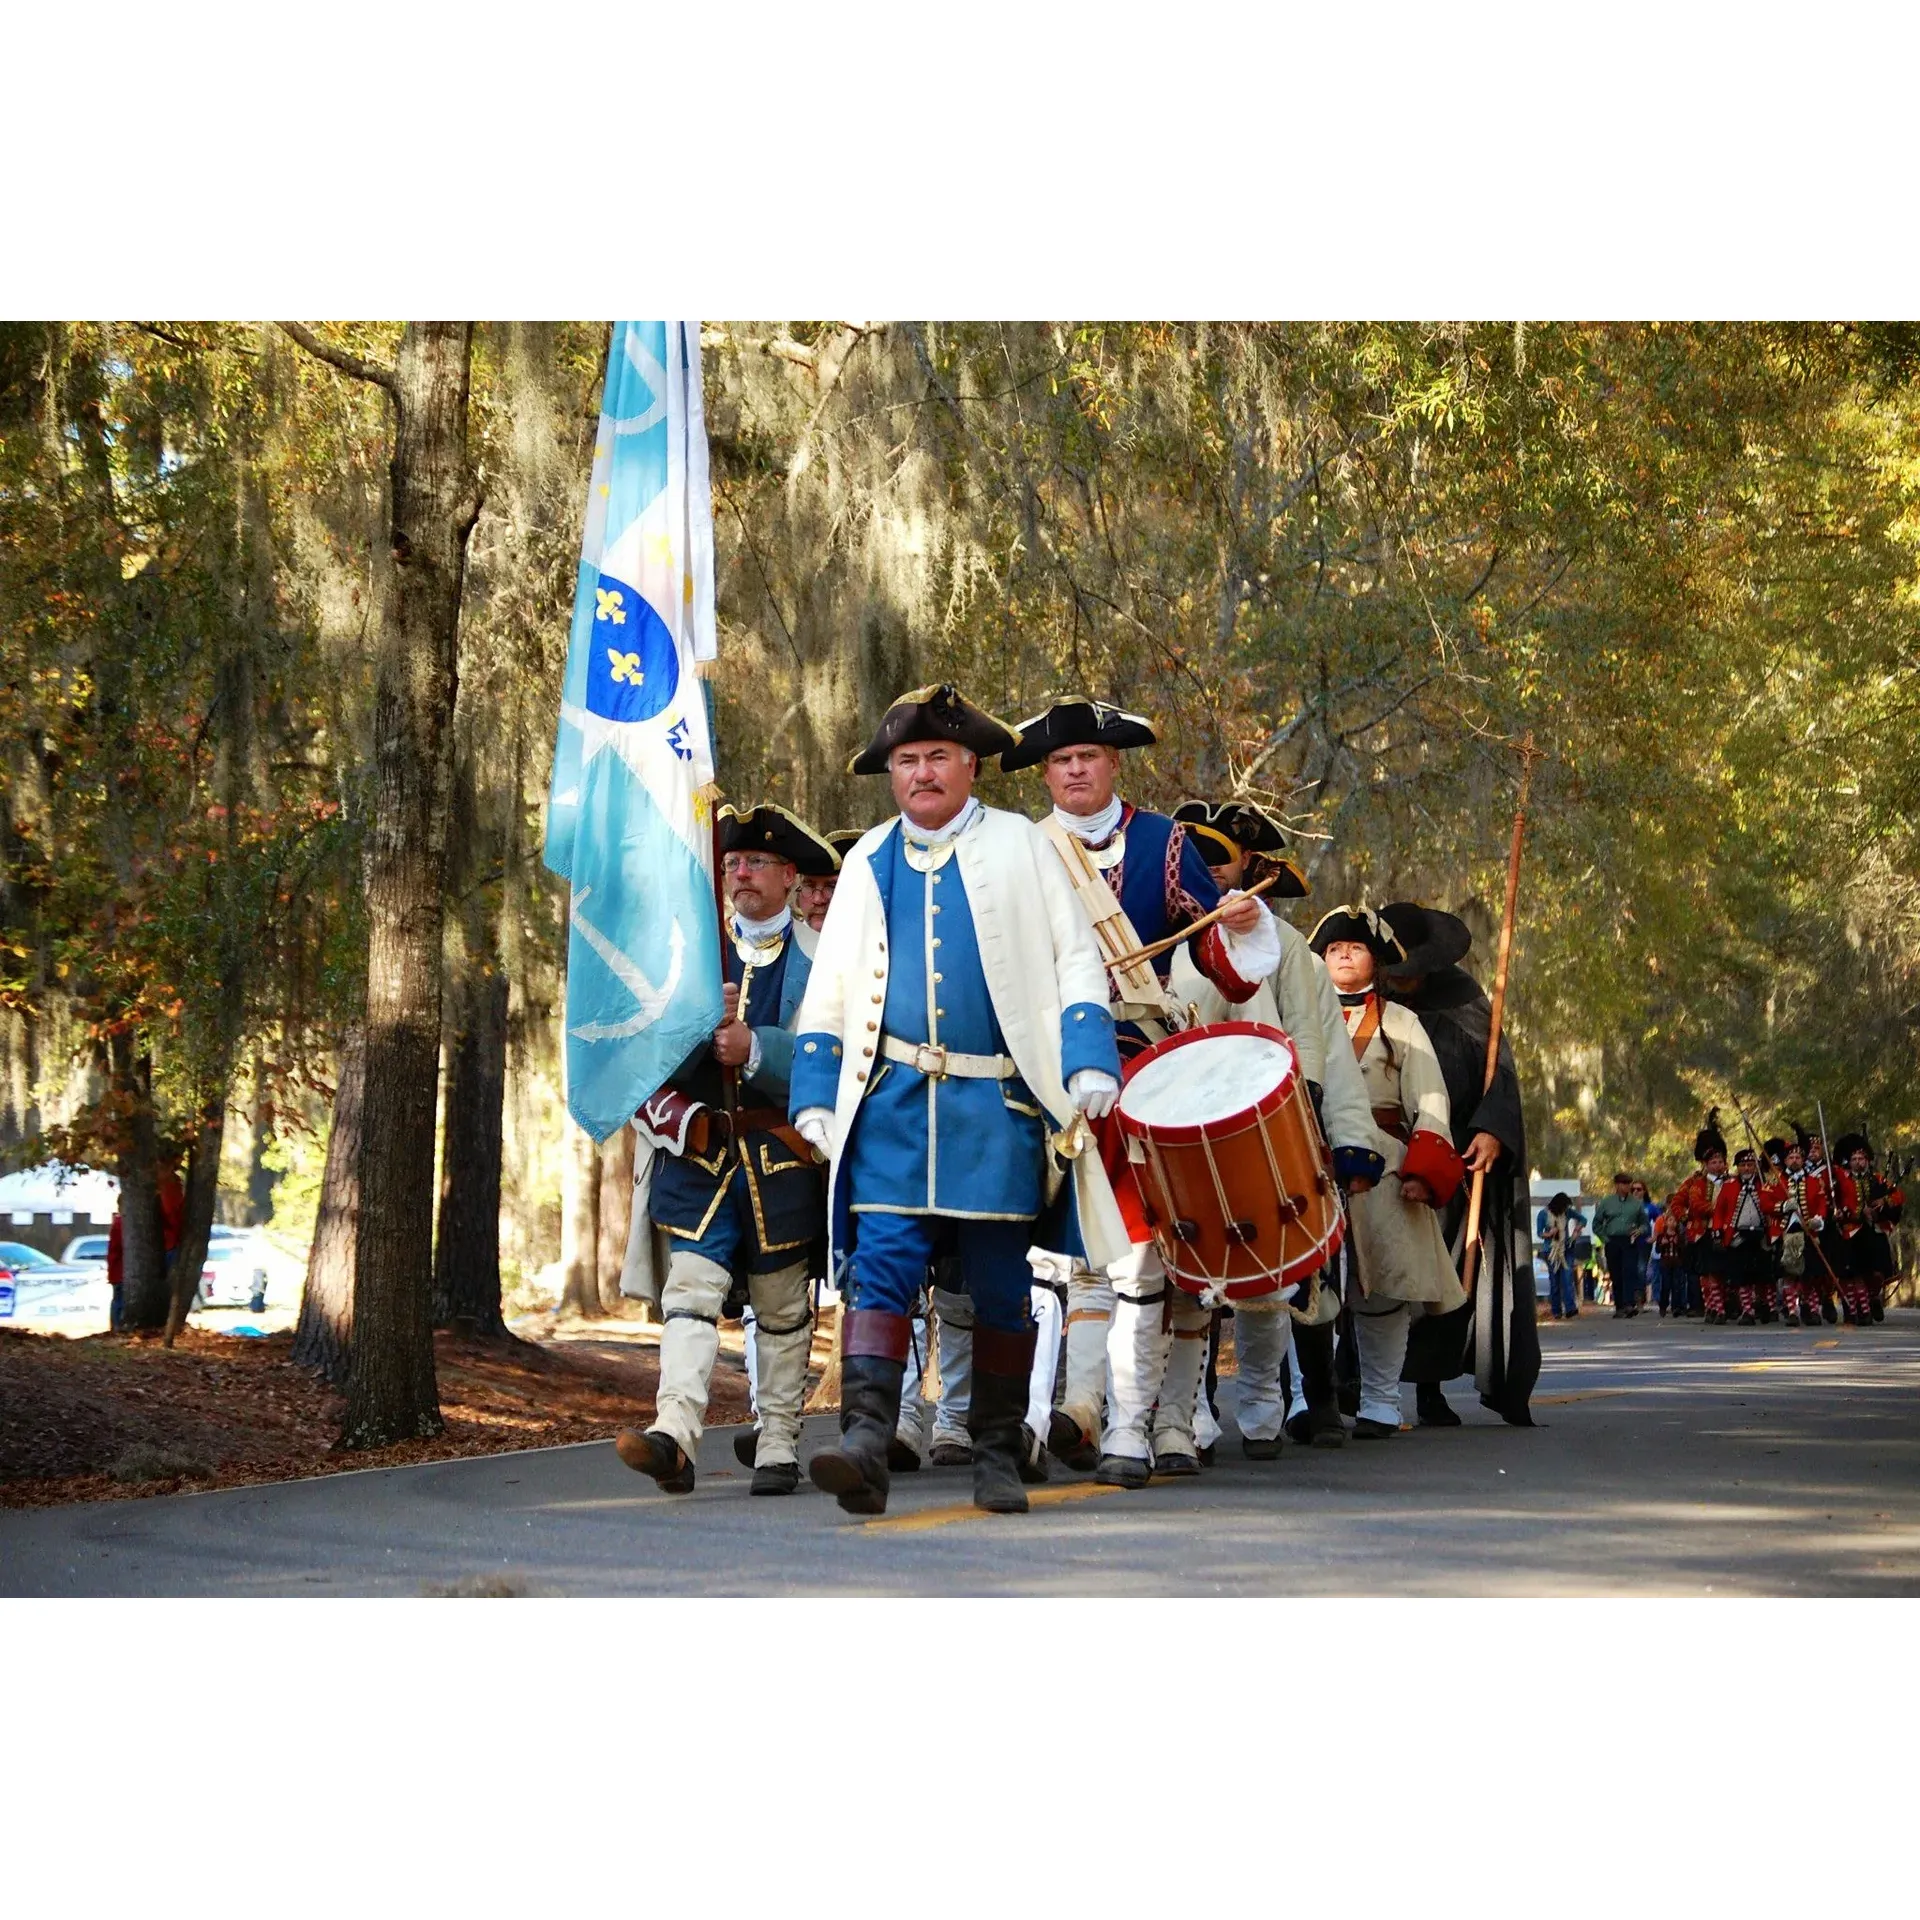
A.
pixel 1401 1260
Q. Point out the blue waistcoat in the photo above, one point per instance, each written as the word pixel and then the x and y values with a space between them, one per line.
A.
pixel 971 1149
pixel 785 1190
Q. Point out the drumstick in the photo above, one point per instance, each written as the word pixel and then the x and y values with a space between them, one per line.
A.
pixel 1186 933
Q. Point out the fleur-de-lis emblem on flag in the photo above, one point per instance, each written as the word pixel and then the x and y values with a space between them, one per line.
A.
pixel 610 607
pixel 626 666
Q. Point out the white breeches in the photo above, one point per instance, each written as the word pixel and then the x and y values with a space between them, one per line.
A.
pixel 1262 1342
pixel 1382 1334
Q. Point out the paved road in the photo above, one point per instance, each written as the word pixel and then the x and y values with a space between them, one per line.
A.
pixel 1670 1460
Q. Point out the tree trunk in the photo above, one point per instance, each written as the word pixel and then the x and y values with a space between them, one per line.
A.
pixel 391 1391
pixel 323 1338
pixel 616 1216
pixel 580 1223
pixel 143 1291
pixel 196 1229
pixel 466 1254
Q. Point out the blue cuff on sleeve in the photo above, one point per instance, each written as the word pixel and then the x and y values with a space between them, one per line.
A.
pixel 1357 1163
pixel 815 1080
pixel 1086 1041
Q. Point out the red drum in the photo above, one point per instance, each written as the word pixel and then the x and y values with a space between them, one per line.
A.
pixel 1228 1156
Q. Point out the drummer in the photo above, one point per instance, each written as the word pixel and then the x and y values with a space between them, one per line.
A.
pixel 1401 1260
pixel 1243 844
pixel 1162 884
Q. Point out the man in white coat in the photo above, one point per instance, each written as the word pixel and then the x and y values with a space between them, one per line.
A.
pixel 953 1041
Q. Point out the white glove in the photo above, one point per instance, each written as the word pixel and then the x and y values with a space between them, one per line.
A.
pixel 1093 1092
pixel 815 1126
pixel 1819 1226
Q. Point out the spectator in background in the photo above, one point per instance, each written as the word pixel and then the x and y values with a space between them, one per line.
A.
pixel 116 1273
pixel 1620 1225
pixel 1580 1253
pixel 173 1203
pixel 1652 1281
pixel 1556 1246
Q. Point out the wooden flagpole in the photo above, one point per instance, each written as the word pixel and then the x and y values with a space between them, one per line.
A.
pixel 1529 753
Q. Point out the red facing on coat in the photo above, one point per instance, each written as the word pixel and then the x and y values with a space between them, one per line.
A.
pixel 1432 1158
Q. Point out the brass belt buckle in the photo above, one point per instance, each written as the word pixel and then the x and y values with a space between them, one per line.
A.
pixel 925 1052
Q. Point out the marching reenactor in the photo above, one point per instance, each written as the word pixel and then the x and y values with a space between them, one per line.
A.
pixel 1495 1337
pixel 737 1190
pixel 1401 1261
pixel 813 894
pixel 1804 1214
pixel 1242 845
pixel 1744 1225
pixel 1870 1204
pixel 1139 872
pixel 954 1039
pixel 1689 1219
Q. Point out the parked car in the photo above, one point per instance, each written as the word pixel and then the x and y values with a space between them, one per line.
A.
pixel 233 1275
pixel 30 1263
pixel 89 1250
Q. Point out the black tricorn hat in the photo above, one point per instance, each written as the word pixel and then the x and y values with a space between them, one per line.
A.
pixel 1845 1147
pixel 843 840
pixel 1078 722
pixel 1362 924
pixel 1240 827
pixel 770 829
pixel 1710 1140
pixel 933 713
pixel 1432 939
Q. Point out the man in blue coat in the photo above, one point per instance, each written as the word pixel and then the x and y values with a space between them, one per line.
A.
pixel 738 1192
pixel 954 1040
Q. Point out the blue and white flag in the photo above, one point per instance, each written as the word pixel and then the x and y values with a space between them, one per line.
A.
pixel 629 815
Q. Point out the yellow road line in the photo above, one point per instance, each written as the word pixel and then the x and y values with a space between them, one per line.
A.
pixel 929 1517
pixel 1755 1366
pixel 1567 1399
pixel 1818 1344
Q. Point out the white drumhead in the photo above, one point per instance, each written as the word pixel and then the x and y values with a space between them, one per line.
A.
pixel 1207 1079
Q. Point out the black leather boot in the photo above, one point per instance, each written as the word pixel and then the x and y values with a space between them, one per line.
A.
pixel 1432 1406
pixel 872 1366
pixel 1318 1424
pixel 996 1418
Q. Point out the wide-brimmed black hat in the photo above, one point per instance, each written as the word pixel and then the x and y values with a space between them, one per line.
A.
pixel 1234 827
pixel 1710 1140
pixel 933 713
pixel 1361 924
pixel 1432 939
pixel 770 829
pixel 1078 722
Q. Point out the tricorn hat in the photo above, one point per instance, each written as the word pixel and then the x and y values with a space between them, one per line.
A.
pixel 1710 1140
pixel 843 840
pixel 770 829
pixel 1432 939
pixel 933 713
pixel 1078 722
pixel 1362 924
pixel 1234 827
pixel 1848 1144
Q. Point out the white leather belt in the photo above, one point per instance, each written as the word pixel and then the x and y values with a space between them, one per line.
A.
pixel 940 1063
